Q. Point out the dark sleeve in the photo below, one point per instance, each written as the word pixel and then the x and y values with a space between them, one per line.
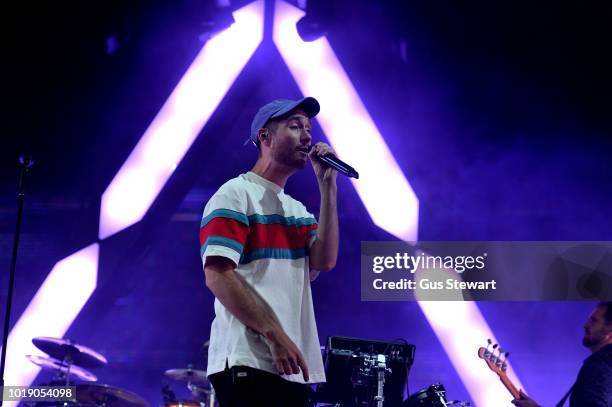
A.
pixel 593 387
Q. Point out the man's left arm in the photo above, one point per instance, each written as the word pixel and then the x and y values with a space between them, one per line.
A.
pixel 324 249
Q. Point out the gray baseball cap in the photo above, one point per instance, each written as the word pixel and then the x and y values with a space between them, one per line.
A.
pixel 279 107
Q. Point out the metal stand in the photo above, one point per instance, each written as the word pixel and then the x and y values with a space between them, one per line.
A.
pixel 381 369
pixel 25 163
pixel 212 400
pixel 67 361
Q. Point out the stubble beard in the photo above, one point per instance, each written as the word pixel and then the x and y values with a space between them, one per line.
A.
pixel 288 159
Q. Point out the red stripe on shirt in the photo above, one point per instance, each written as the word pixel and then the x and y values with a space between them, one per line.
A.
pixel 225 227
pixel 278 236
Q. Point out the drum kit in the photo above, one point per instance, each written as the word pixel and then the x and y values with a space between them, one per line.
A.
pixel 203 394
pixel 71 362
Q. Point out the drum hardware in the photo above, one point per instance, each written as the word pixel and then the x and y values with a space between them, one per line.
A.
pixel 103 395
pixel 373 366
pixel 64 370
pixel 167 394
pixel 200 393
pixel 67 358
pixel 381 369
pixel 362 372
pixel 189 375
pixel 432 396
pixel 171 400
pixel 70 352
pixel 185 403
pixel 197 383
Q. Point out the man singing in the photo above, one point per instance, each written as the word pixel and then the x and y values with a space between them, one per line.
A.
pixel 261 249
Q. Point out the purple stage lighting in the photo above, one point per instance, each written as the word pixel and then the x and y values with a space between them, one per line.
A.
pixel 163 145
pixel 382 186
pixel 137 184
pixel 55 305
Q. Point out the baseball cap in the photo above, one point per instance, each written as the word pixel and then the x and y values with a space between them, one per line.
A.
pixel 279 107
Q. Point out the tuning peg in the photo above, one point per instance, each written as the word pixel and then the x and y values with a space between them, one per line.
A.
pixel 504 365
pixel 503 355
pixel 499 358
pixel 506 356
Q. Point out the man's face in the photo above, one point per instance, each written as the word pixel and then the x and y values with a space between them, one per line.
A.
pixel 596 331
pixel 291 139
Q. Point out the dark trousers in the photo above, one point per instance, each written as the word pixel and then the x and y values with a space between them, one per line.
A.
pixel 243 386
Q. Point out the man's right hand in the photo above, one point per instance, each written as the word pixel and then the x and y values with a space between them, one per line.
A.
pixel 286 356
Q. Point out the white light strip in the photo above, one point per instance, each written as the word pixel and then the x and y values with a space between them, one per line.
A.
pixel 382 187
pixel 462 329
pixel 55 305
pixel 163 145
pixel 384 190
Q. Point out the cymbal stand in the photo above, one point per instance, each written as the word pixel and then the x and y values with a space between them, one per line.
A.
pixel 212 397
pixel 65 376
pixel 197 390
pixel 69 365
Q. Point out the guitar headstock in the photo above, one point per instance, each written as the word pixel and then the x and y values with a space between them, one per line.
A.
pixel 495 358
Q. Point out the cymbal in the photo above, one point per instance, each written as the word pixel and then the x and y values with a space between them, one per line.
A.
pixel 54 364
pixel 65 349
pixel 108 396
pixel 189 375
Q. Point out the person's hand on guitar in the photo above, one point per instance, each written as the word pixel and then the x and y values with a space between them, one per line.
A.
pixel 525 401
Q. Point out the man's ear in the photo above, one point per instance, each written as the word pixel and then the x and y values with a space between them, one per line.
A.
pixel 263 135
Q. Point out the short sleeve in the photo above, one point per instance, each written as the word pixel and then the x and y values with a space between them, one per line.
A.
pixel 312 228
pixel 224 226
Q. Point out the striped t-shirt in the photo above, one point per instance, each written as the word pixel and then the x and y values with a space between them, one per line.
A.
pixel 267 234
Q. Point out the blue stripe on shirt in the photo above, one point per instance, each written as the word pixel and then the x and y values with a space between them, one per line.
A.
pixel 221 241
pixel 224 213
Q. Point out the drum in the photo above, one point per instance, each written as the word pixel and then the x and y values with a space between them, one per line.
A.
pixel 184 403
pixel 433 396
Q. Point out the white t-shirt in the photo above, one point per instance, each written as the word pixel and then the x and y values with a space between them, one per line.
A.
pixel 251 221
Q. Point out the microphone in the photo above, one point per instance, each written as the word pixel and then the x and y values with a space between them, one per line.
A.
pixel 337 164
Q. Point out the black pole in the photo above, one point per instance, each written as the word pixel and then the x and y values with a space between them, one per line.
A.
pixel 25 162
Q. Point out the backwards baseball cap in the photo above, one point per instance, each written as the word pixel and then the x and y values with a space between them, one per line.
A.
pixel 278 108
